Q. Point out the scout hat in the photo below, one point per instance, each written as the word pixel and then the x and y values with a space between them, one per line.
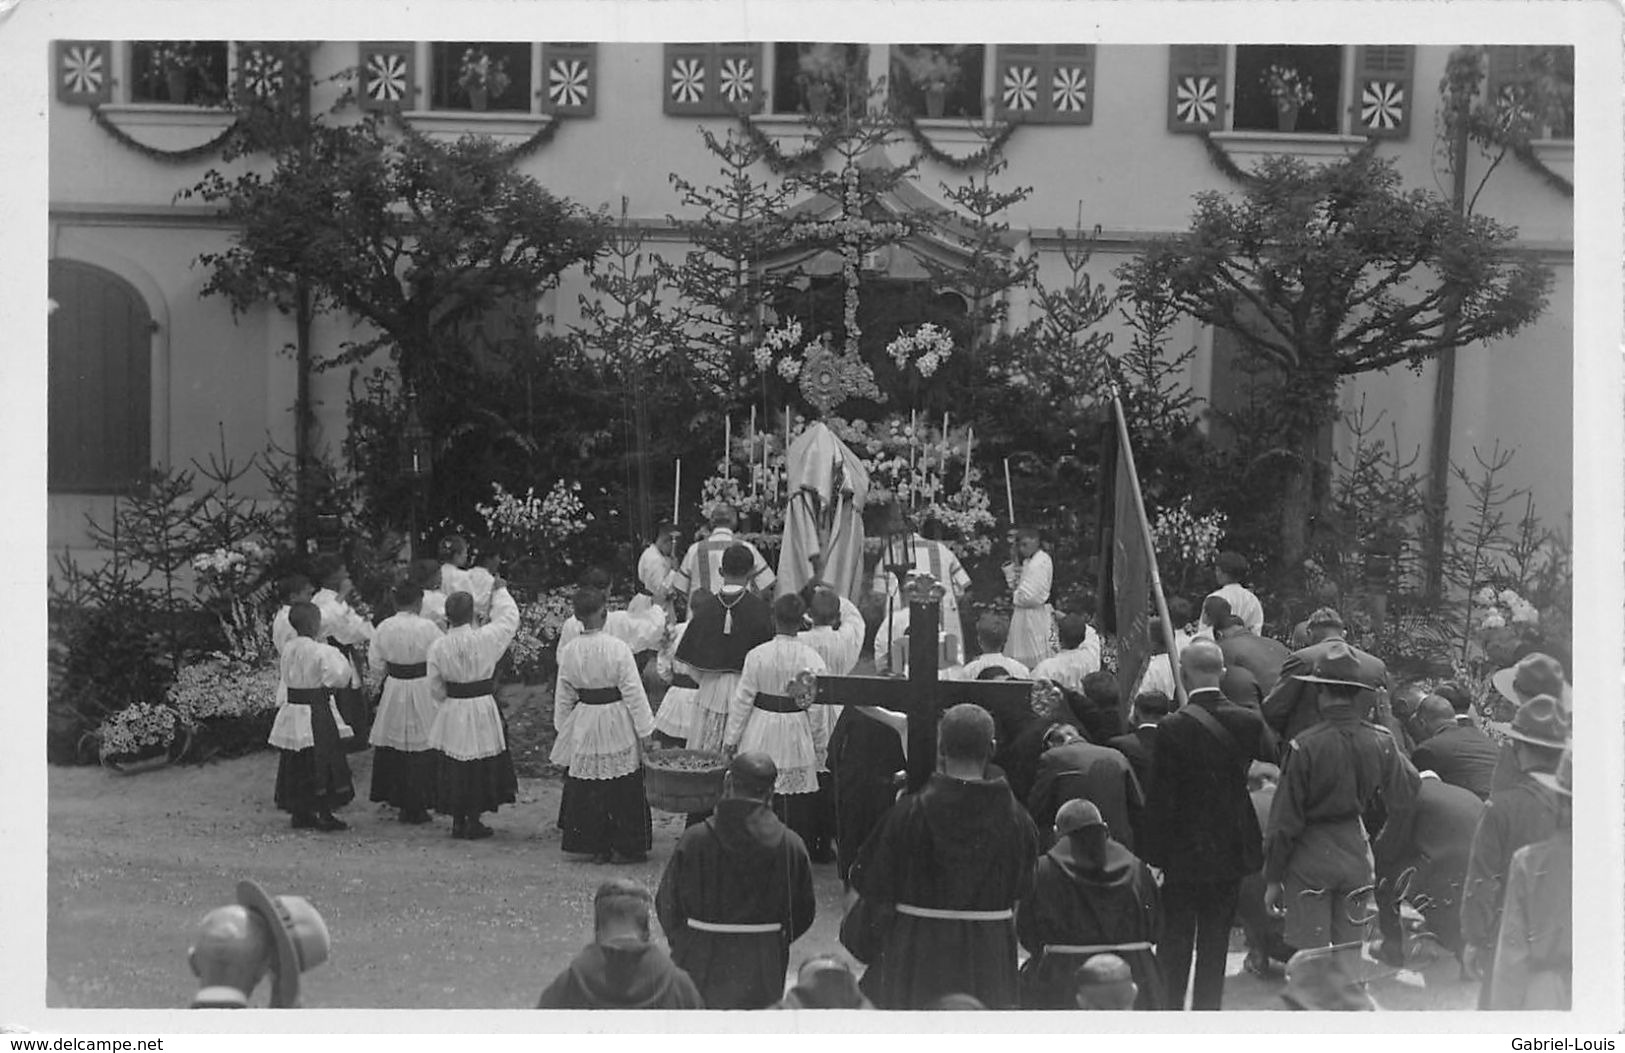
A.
pixel 1541 721
pixel 1317 979
pixel 1077 814
pixel 1535 674
pixel 1339 665
pixel 1562 780
pixel 298 934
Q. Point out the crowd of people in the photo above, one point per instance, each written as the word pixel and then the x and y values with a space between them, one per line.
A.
pixel 1060 857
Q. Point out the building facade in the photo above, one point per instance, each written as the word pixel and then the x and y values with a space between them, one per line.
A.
pixel 145 372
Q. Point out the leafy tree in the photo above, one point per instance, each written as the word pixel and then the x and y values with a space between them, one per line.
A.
pixel 1327 272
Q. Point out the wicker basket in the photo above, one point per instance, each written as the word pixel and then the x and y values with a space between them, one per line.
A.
pixel 671 789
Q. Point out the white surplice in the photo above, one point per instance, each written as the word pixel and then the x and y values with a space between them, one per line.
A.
pixel 676 714
pixel 599 741
pixel 1068 668
pixel 797 742
pixel 407 708
pixel 470 728
pixel 307 663
pixel 340 622
pixel 1031 621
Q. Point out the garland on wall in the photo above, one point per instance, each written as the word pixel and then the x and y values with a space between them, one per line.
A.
pixel 1552 179
pixel 991 148
pixel 777 159
pixel 1221 159
pixel 190 153
pixel 517 152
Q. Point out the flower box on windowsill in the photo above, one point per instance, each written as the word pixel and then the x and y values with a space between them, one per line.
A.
pixel 1556 154
pixel 450 125
pixel 1247 148
pixel 164 126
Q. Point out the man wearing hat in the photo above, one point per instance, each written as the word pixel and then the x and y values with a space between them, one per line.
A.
pixel 1318 867
pixel 1091 898
pixel 1535 674
pixel 1534 958
pixel 1519 813
pixel 236 946
pixel 1290 707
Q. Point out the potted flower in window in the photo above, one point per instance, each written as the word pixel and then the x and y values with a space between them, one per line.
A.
pixel 933 71
pixel 170 62
pixel 1291 92
pixel 482 77
pixel 823 66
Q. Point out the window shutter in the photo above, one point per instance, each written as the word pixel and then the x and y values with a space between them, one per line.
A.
pixel 570 79
pixel 1382 90
pixel 1507 75
pixel 388 77
pixel 1048 83
pixel 1196 93
pixel 713 79
pixel 84 73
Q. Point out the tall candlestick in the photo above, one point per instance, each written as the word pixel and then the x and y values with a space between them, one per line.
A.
pixel 1009 495
pixel 913 480
pixel 727 445
pixel 677 492
pixel 970 436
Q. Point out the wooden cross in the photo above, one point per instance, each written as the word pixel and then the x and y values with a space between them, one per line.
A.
pixel 922 696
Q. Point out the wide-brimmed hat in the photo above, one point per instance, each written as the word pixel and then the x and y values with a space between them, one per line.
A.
pixel 1562 780
pixel 298 933
pixel 1077 814
pixel 1338 665
pixel 1318 979
pixel 1541 721
pixel 1535 674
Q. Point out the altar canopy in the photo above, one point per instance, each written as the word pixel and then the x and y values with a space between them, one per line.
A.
pixel 828 485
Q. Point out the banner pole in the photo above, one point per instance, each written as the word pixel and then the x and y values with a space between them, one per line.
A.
pixel 1145 532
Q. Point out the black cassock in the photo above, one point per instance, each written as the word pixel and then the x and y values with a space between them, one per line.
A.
pixel 1076 905
pixel 740 867
pixel 956 847
pixel 864 756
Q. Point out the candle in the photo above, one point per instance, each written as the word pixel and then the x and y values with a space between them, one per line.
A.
pixel 727 444
pixel 970 435
pixel 787 455
pixel 1009 495
pixel 676 491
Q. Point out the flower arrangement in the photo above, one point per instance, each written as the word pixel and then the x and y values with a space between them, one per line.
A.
pixel 925 348
pixel 540 622
pixel 531 523
pixel 823 62
pixel 778 351
pixel 932 67
pixel 223 688
pixel 480 72
pixel 927 485
pixel 1186 541
pixel 1287 87
pixel 139 729
pixel 235 568
pixel 171 56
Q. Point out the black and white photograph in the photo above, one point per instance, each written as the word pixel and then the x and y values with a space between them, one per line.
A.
pixel 736 508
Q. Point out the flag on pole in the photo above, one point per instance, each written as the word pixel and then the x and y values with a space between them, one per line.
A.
pixel 1125 568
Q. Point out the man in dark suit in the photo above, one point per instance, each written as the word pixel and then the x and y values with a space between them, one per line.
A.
pixel 1294 704
pixel 1461 754
pixel 1259 655
pixel 1200 827
pixel 1421 856
pixel 1149 709
pixel 1073 767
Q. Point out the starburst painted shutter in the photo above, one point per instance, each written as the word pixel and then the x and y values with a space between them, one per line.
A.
pixel 570 79
pixel 1045 83
pixel 1196 92
pixel 1382 90
pixel 273 73
pixel 388 77
pixel 84 73
pixel 713 79
pixel 1507 75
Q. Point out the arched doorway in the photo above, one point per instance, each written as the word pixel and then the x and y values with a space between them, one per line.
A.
pixel 99 401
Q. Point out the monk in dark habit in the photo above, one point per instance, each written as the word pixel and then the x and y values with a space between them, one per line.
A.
pixel 737 892
pixel 621 968
pixel 947 867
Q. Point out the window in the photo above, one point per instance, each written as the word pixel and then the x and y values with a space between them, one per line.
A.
pixel 1287 87
pixel 1291 89
pixel 99 387
pixel 480 76
pixel 938 80
pixel 179 72
pixel 809 77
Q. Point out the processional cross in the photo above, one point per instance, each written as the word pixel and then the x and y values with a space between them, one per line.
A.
pixel 922 696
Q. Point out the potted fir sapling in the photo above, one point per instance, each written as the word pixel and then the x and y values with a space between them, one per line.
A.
pixel 1290 91
pixel 933 71
pixel 482 77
